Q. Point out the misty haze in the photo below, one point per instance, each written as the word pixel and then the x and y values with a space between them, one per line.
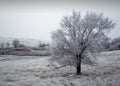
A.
pixel 59 43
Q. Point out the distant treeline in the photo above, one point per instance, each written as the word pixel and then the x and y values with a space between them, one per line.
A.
pixel 16 47
pixel 111 44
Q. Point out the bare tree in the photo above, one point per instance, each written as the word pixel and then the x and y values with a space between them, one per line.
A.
pixel 2 45
pixel 7 44
pixel 16 43
pixel 77 37
pixel 41 44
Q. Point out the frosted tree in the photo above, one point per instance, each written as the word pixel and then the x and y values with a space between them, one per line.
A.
pixel 2 46
pixel 7 44
pixel 15 43
pixel 79 36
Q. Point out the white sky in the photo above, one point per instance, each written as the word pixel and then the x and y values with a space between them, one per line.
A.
pixel 37 19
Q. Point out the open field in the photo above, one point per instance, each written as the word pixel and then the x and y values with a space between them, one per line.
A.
pixel 36 71
pixel 28 53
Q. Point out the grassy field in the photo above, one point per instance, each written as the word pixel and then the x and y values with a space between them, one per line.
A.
pixel 37 71
pixel 28 53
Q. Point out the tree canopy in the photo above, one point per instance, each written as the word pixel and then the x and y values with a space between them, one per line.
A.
pixel 78 36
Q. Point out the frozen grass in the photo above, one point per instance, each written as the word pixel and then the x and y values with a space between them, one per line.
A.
pixel 26 71
pixel 28 53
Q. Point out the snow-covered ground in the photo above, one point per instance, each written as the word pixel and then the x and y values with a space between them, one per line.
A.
pixel 36 71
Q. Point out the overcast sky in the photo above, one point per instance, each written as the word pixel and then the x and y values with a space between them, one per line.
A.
pixel 37 19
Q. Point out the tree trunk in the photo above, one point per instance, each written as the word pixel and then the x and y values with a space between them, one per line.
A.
pixel 78 68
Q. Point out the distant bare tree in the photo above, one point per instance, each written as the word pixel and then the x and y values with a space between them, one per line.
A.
pixel 2 45
pixel 16 43
pixel 77 37
pixel 8 44
pixel 41 44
